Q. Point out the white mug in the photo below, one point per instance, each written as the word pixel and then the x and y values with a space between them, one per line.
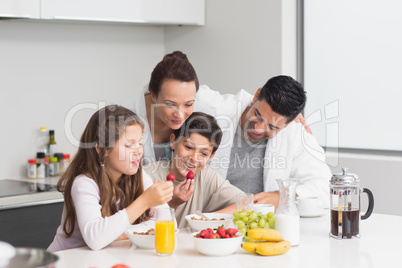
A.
pixel 308 205
pixel 264 208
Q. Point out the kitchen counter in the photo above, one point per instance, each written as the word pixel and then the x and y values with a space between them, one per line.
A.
pixel 377 247
pixel 35 197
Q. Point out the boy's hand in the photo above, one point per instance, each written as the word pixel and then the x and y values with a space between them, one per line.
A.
pixel 182 193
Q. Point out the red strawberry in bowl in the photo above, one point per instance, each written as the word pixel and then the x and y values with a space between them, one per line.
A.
pixel 190 175
pixel 170 177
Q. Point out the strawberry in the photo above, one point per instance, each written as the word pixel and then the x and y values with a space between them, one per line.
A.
pixel 232 231
pixel 210 230
pixel 221 231
pixel 209 236
pixel 203 233
pixel 216 236
pixel 190 175
pixel 170 177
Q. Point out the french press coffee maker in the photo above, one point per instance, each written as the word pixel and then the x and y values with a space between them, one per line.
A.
pixel 345 205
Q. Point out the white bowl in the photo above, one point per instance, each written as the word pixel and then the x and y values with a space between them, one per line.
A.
pixel 201 225
pixel 143 241
pixel 7 252
pixel 217 247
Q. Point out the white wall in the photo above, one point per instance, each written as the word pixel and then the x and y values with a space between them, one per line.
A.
pixel 240 47
pixel 47 68
pixel 377 171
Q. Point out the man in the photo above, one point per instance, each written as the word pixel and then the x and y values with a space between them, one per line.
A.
pixel 261 143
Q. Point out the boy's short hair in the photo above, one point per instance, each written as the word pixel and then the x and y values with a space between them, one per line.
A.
pixel 203 124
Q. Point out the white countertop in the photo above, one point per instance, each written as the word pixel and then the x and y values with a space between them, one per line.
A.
pixel 32 199
pixel 377 247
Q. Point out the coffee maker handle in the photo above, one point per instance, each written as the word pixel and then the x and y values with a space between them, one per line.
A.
pixel 370 204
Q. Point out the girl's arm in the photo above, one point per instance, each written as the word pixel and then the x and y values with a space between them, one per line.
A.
pixel 96 231
pixel 99 232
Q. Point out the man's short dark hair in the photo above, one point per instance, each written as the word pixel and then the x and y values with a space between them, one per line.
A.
pixel 285 95
pixel 203 124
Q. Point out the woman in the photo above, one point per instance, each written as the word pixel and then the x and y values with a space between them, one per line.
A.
pixel 167 104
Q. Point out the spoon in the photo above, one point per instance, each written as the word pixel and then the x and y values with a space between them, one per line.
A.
pixel 199 213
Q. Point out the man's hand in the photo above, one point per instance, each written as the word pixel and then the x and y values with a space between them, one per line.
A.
pixel 182 193
pixel 300 119
pixel 267 198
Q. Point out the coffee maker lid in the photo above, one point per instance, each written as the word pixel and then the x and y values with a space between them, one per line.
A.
pixel 344 178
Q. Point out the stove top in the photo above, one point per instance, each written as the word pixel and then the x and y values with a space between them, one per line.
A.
pixel 12 187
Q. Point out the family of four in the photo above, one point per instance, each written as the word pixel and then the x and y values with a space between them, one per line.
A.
pixel 232 143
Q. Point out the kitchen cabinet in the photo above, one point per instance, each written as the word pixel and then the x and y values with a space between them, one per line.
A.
pixel 30 226
pixel 183 12
pixel 29 9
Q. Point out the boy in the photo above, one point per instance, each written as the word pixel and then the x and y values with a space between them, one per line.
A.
pixel 193 145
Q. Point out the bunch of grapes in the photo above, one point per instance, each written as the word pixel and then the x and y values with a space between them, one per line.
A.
pixel 250 219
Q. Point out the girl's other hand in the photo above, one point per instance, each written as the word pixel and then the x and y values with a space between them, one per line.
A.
pixel 123 236
pixel 158 193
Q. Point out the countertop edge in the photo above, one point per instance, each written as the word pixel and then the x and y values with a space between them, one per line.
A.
pixel 34 199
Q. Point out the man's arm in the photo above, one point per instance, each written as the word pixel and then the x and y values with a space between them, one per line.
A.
pixel 267 198
pixel 310 168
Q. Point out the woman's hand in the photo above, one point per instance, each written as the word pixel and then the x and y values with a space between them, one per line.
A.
pixel 182 193
pixel 158 193
pixel 300 119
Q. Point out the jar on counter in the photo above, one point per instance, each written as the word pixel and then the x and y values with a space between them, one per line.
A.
pixel 32 169
pixel 60 161
pixel 47 167
pixel 54 169
pixel 40 163
pixel 66 163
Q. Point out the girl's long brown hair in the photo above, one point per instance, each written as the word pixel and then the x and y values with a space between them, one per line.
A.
pixel 104 129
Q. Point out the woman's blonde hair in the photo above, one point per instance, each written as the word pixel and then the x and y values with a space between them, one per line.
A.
pixel 104 129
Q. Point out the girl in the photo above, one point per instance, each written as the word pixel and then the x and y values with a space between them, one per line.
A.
pixel 105 189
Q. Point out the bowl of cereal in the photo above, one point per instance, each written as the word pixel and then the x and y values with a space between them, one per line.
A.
pixel 215 220
pixel 143 236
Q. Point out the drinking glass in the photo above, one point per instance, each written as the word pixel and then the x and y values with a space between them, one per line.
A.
pixel 244 201
pixel 164 231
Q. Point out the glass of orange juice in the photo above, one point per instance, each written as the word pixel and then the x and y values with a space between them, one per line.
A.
pixel 164 231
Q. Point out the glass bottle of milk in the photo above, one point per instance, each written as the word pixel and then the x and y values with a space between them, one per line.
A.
pixel 287 216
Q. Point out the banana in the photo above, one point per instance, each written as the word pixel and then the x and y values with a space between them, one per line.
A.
pixel 251 246
pixel 272 249
pixel 265 234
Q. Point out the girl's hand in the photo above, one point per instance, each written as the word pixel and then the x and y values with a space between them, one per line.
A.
pixel 300 119
pixel 123 236
pixel 158 193
pixel 182 193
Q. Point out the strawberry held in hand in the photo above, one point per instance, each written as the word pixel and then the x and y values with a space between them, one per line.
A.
pixel 170 177
pixel 190 175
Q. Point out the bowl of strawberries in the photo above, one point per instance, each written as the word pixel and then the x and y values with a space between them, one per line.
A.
pixel 217 242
